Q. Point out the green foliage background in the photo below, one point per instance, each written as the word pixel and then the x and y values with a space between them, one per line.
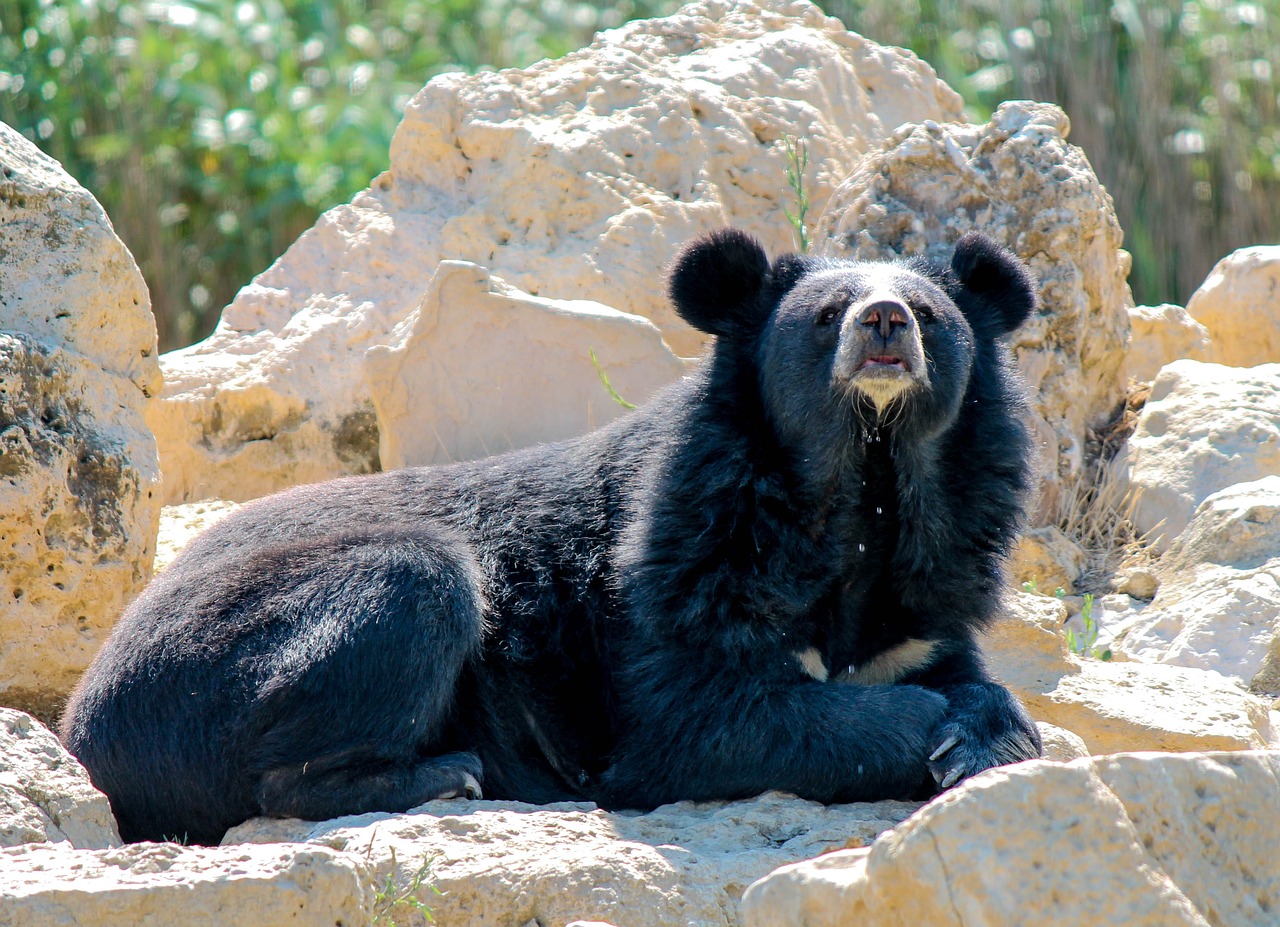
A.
pixel 215 131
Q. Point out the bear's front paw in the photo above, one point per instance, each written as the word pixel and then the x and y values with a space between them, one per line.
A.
pixel 985 729
pixel 958 755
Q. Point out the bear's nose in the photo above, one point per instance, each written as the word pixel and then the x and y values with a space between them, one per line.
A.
pixel 884 315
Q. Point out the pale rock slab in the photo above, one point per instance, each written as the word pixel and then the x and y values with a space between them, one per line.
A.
pixel 1018 180
pixel 1218 606
pixel 574 179
pixel 1204 428
pixel 180 525
pixel 162 884
pixel 1144 840
pixel 1160 335
pixel 1239 305
pixel 511 863
pixel 479 368
pixel 1115 706
pixel 45 794
pixel 79 474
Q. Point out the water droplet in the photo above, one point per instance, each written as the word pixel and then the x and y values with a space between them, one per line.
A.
pixel 862 548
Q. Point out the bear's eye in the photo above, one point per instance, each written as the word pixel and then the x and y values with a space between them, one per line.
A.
pixel 923 313
pixel 830 312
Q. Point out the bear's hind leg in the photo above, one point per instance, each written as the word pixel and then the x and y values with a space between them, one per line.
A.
pixel 350 718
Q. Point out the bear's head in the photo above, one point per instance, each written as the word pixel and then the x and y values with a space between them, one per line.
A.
pixel 853 342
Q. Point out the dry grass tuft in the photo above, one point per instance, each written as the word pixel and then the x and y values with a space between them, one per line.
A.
pixel 1095 510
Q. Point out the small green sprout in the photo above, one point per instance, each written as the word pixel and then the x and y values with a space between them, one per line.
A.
pixel 604 378
pixel 390 898
pixel 797 161
pixel 1086 642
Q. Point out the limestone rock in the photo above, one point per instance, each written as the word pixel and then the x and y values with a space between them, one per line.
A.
pixel 1239 305
pixel 45 795
pixel 1113 614
pixel 79 476
pixel 1018 180
pixel 1219 601
pixel 1110 615
pixel 1204 428
pixel 1048 559
pixel 1143 840
pixel 1160 335
pixel 66 279
pixel 179 525
pixel 572 179
pixel 510 863
pixel 167 884
pixel 479 368
pixel 1139 582
pixel 1115 706
pixel 1138 706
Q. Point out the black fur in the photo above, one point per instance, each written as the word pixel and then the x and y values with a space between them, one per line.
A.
pixel 622 617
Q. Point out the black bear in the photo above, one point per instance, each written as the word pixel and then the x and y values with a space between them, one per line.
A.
pixel 770 577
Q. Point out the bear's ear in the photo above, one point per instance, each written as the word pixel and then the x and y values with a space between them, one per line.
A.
pixel 717 281
pixel 993 288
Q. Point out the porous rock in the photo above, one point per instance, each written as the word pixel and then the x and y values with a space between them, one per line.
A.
pixel 1018 180
pixel 1114 706
pixel 510 863
pixel 168 884
pixel 1138 581
pixel 1145 840
pixel 79 475
pixel 1160 335
pixel 574 179
pixel 1219 601
pixel 66 279
pixel 1239 305
pixel 1204 428
pixel 1060 744
pixel 1047 559
pixel 45 795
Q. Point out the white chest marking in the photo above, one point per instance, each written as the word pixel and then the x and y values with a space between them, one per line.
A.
pixel 811 662
pixel 891 665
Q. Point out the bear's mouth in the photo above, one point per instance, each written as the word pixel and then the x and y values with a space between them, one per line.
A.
pixel 882 361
